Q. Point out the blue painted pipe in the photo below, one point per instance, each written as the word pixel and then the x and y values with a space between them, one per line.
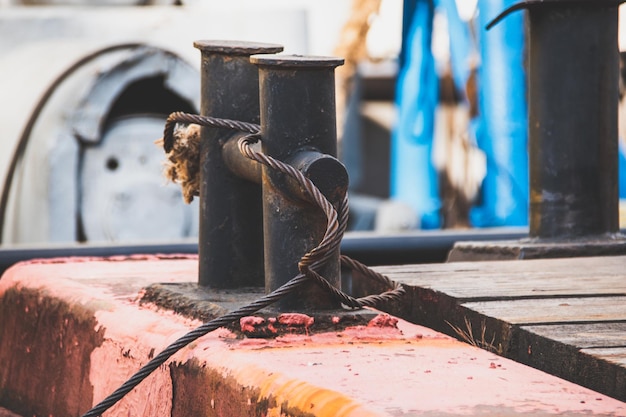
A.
pixel 501 129
pixel 413 177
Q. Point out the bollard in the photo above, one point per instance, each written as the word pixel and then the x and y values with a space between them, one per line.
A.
pixel 573 146
pixel 262 189
pixel 298 126
pixel 573 96
pixel 230 245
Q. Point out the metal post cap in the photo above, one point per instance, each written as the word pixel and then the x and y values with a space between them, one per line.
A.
pixel 237 47
pixel 296 61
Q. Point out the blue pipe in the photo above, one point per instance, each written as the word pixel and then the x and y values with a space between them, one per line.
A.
pixel 413 177
pixel 501 129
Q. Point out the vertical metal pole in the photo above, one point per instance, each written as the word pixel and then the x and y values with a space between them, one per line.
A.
pixel 573 96
pixel 297 114
pixel 230 245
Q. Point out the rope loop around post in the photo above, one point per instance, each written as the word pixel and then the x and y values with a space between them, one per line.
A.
pixel 332 237
pixel 331 240
pixel 336 224
pixel 187 118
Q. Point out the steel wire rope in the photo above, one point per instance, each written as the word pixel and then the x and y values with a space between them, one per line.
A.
pixel 395 291
pixel 336 225
pixel 304 266
pixel 312 260
pixel 193 335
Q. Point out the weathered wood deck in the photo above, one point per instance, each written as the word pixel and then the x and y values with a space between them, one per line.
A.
pixel 566 317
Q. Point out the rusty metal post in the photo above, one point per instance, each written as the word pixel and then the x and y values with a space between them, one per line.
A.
pixel 573 71
pixel 298 126
pixel 573 96
pixel 230 245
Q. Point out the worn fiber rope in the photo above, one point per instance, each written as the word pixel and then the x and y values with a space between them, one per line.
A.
pixel 308 265
pixel 180 117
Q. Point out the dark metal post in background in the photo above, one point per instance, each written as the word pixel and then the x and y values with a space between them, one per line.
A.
pixel 230 245
pixel 298 126
pixel 573 90
pixel 573 103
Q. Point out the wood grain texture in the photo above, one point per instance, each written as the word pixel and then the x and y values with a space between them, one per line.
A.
pixel 584 336
pixel 566 317
pixel 553 310
pixel 530 278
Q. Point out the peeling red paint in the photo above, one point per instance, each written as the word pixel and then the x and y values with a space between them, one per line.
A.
pixel 112 258
pixel 296 320
pixel 323 374
pixel 248 324
pixel 270 326
pixel 383 320
pixel 256 326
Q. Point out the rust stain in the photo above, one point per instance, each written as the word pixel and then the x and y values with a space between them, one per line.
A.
pixel 295 397
pixel 383 320
pixel 45 336
pixel 296 320
pixel 249 323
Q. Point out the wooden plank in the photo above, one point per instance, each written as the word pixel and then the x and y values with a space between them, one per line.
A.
pixel 601 369
pixel 517 279
pixel 616 356
pixel 603 265
pixel 566 317
pixel 553 310
pixel 584 336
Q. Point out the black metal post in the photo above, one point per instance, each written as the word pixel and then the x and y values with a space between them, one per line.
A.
pixel 573 98
pixel 573 78
pixel 230 245
pixel 298 126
